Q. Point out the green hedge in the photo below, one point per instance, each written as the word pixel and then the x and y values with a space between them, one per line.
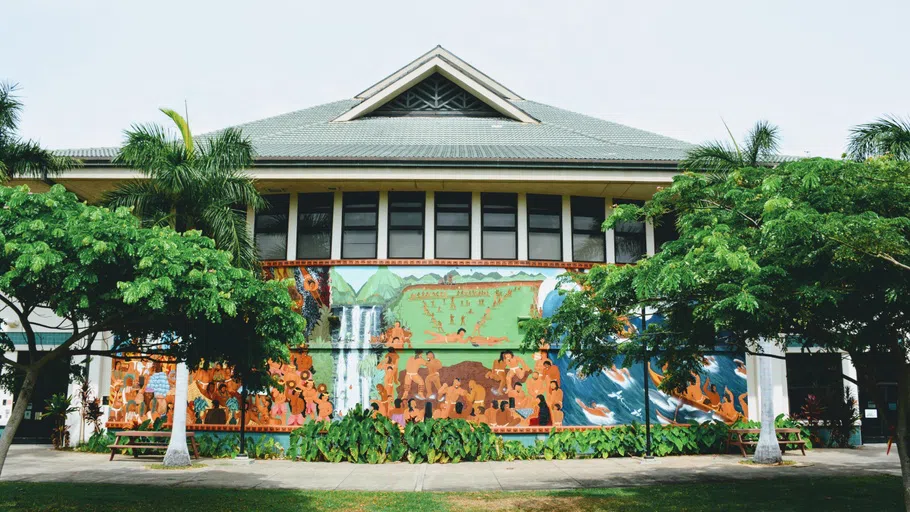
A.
pixel 359 437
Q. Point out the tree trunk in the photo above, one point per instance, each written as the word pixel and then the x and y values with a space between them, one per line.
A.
pixel 25 396
pixel 903 411
pixel 767 451
pixel 177 453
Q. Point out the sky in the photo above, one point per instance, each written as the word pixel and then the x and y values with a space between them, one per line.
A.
pixel 89 69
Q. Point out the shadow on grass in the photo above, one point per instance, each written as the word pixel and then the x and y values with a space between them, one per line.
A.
pixel 880 493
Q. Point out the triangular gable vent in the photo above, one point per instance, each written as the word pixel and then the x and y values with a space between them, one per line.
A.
pixel 437 84
pixel 436 95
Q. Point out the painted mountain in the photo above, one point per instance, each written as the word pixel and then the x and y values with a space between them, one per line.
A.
pixel 342 292
pixel 381 288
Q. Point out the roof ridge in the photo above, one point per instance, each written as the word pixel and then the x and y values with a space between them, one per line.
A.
pixel 286 114
pixel 597 137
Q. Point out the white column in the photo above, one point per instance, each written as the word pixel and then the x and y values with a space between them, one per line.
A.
pixel 336 226
pixel 476 232
pixel 566 228
pixel 251 221
pixel 767 451
pixel 779 395
pixel 292 228
pixel 850 371
pixel 429 230
pixel 649 238
pixel 382 226
pixel 522 226
pixel 610 239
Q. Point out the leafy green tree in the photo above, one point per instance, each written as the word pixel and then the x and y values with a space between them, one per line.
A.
pixel 889 135
pixel 100 271
pixel 720 157
pixel 190 185
pixel 813 252
pixel 23 158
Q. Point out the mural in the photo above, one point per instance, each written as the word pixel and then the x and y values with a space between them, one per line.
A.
pixel 415 342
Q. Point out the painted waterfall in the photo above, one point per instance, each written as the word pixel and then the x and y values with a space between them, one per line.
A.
pixel 352 386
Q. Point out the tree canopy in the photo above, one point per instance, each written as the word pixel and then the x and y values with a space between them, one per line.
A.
pixel 161 293
pixel 889 135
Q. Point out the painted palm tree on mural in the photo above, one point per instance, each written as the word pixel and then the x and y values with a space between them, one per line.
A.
pixel 18 157
pixel 889 135
pixel 190 186
pixel 720 157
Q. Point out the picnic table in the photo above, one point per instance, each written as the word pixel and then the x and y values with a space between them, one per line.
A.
pixel 141 440
pixel 735 438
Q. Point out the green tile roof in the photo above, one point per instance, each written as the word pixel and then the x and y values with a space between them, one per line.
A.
pixel 41 338
pixel 309 134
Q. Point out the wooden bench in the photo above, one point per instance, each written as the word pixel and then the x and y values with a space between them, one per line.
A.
pixel 735 438
pixel 139 440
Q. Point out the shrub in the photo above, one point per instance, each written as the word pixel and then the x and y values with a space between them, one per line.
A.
pixel 98 442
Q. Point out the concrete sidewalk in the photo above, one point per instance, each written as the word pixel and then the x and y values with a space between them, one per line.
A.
pixel 42 464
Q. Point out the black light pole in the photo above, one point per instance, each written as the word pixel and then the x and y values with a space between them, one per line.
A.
pixel 647 362
pixel 243 397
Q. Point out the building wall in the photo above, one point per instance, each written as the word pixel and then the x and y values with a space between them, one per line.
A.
pixel 412 340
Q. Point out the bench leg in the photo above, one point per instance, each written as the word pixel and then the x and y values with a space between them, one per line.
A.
pixel 195 447
pixel 114 450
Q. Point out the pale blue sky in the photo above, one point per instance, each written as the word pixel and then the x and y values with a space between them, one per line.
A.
pixel 89 69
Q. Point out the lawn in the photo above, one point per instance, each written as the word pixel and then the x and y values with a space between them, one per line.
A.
pixel 879 493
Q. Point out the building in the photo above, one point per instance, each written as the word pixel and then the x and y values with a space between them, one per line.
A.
pixel 422 219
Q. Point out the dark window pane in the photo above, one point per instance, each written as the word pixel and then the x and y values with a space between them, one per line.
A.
pixel 271 228
pixel 453 244
pixel 314 225
pixel 499 245
pixel 453 225
pixel 544 227
pixel 406 244
pixel 405 219
pixel 665 230
pixel 629 238
pixel 588 247
pixel 588 238
pixel 499 225
pixel 545 246
pixel 358 237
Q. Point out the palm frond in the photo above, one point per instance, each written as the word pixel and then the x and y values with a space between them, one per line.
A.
pixel 234 187
pixel 227 226
pixel 29 159
pixel 762 143
pixel 887 135
pixel 715 157
pixel 149 147
pixel 146 199
pixel 184 128
pixel 10 107
pixel 228 149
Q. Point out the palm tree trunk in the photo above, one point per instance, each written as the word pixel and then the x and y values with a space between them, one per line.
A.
pixel 767 451
pixel 25 396
pixel 177 453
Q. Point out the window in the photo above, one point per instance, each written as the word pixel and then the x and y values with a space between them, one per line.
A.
pixel 629 238
pixel 588 239
pixel 544 227
pixel 271 228
pixel 453 225
pixel 406 210
pixel 665 230
pixel 314 225
pixel 499 225
pixel 359 218
pixel 819 375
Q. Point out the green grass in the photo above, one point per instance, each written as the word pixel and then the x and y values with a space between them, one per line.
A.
pixel 879 493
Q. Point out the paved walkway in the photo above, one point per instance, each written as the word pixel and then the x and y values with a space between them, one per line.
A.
pixel 41 464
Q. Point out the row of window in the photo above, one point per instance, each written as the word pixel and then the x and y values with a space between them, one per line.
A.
pixel 452 224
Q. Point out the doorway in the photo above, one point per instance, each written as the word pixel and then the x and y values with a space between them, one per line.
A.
pixel 54 378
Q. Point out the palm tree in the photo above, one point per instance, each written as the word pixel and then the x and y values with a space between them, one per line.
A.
pixel 721 157
pixel 192 186
pixel 23 158
pixel 889 135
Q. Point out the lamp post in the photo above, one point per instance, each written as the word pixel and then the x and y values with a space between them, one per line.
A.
pixel 647 362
